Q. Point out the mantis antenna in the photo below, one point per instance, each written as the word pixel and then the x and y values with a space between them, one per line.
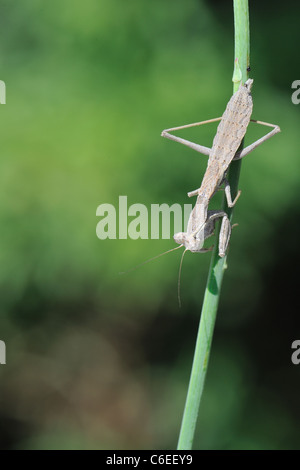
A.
pixel 150 259
pixel 179 276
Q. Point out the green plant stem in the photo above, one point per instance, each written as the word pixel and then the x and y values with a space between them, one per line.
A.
pixel 217 265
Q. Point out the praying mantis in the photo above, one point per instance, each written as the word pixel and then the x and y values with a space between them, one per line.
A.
pixel 225 149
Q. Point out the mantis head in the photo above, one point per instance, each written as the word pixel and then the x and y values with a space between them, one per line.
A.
pixel 190 242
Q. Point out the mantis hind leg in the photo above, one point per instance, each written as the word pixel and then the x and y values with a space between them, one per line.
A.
pixel 255 144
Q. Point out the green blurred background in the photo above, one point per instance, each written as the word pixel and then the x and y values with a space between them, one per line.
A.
pixel 99 360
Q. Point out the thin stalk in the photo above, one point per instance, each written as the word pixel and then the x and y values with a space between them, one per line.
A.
pixel 217 265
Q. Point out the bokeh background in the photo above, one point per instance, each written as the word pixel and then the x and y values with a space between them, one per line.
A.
pixel 96 360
